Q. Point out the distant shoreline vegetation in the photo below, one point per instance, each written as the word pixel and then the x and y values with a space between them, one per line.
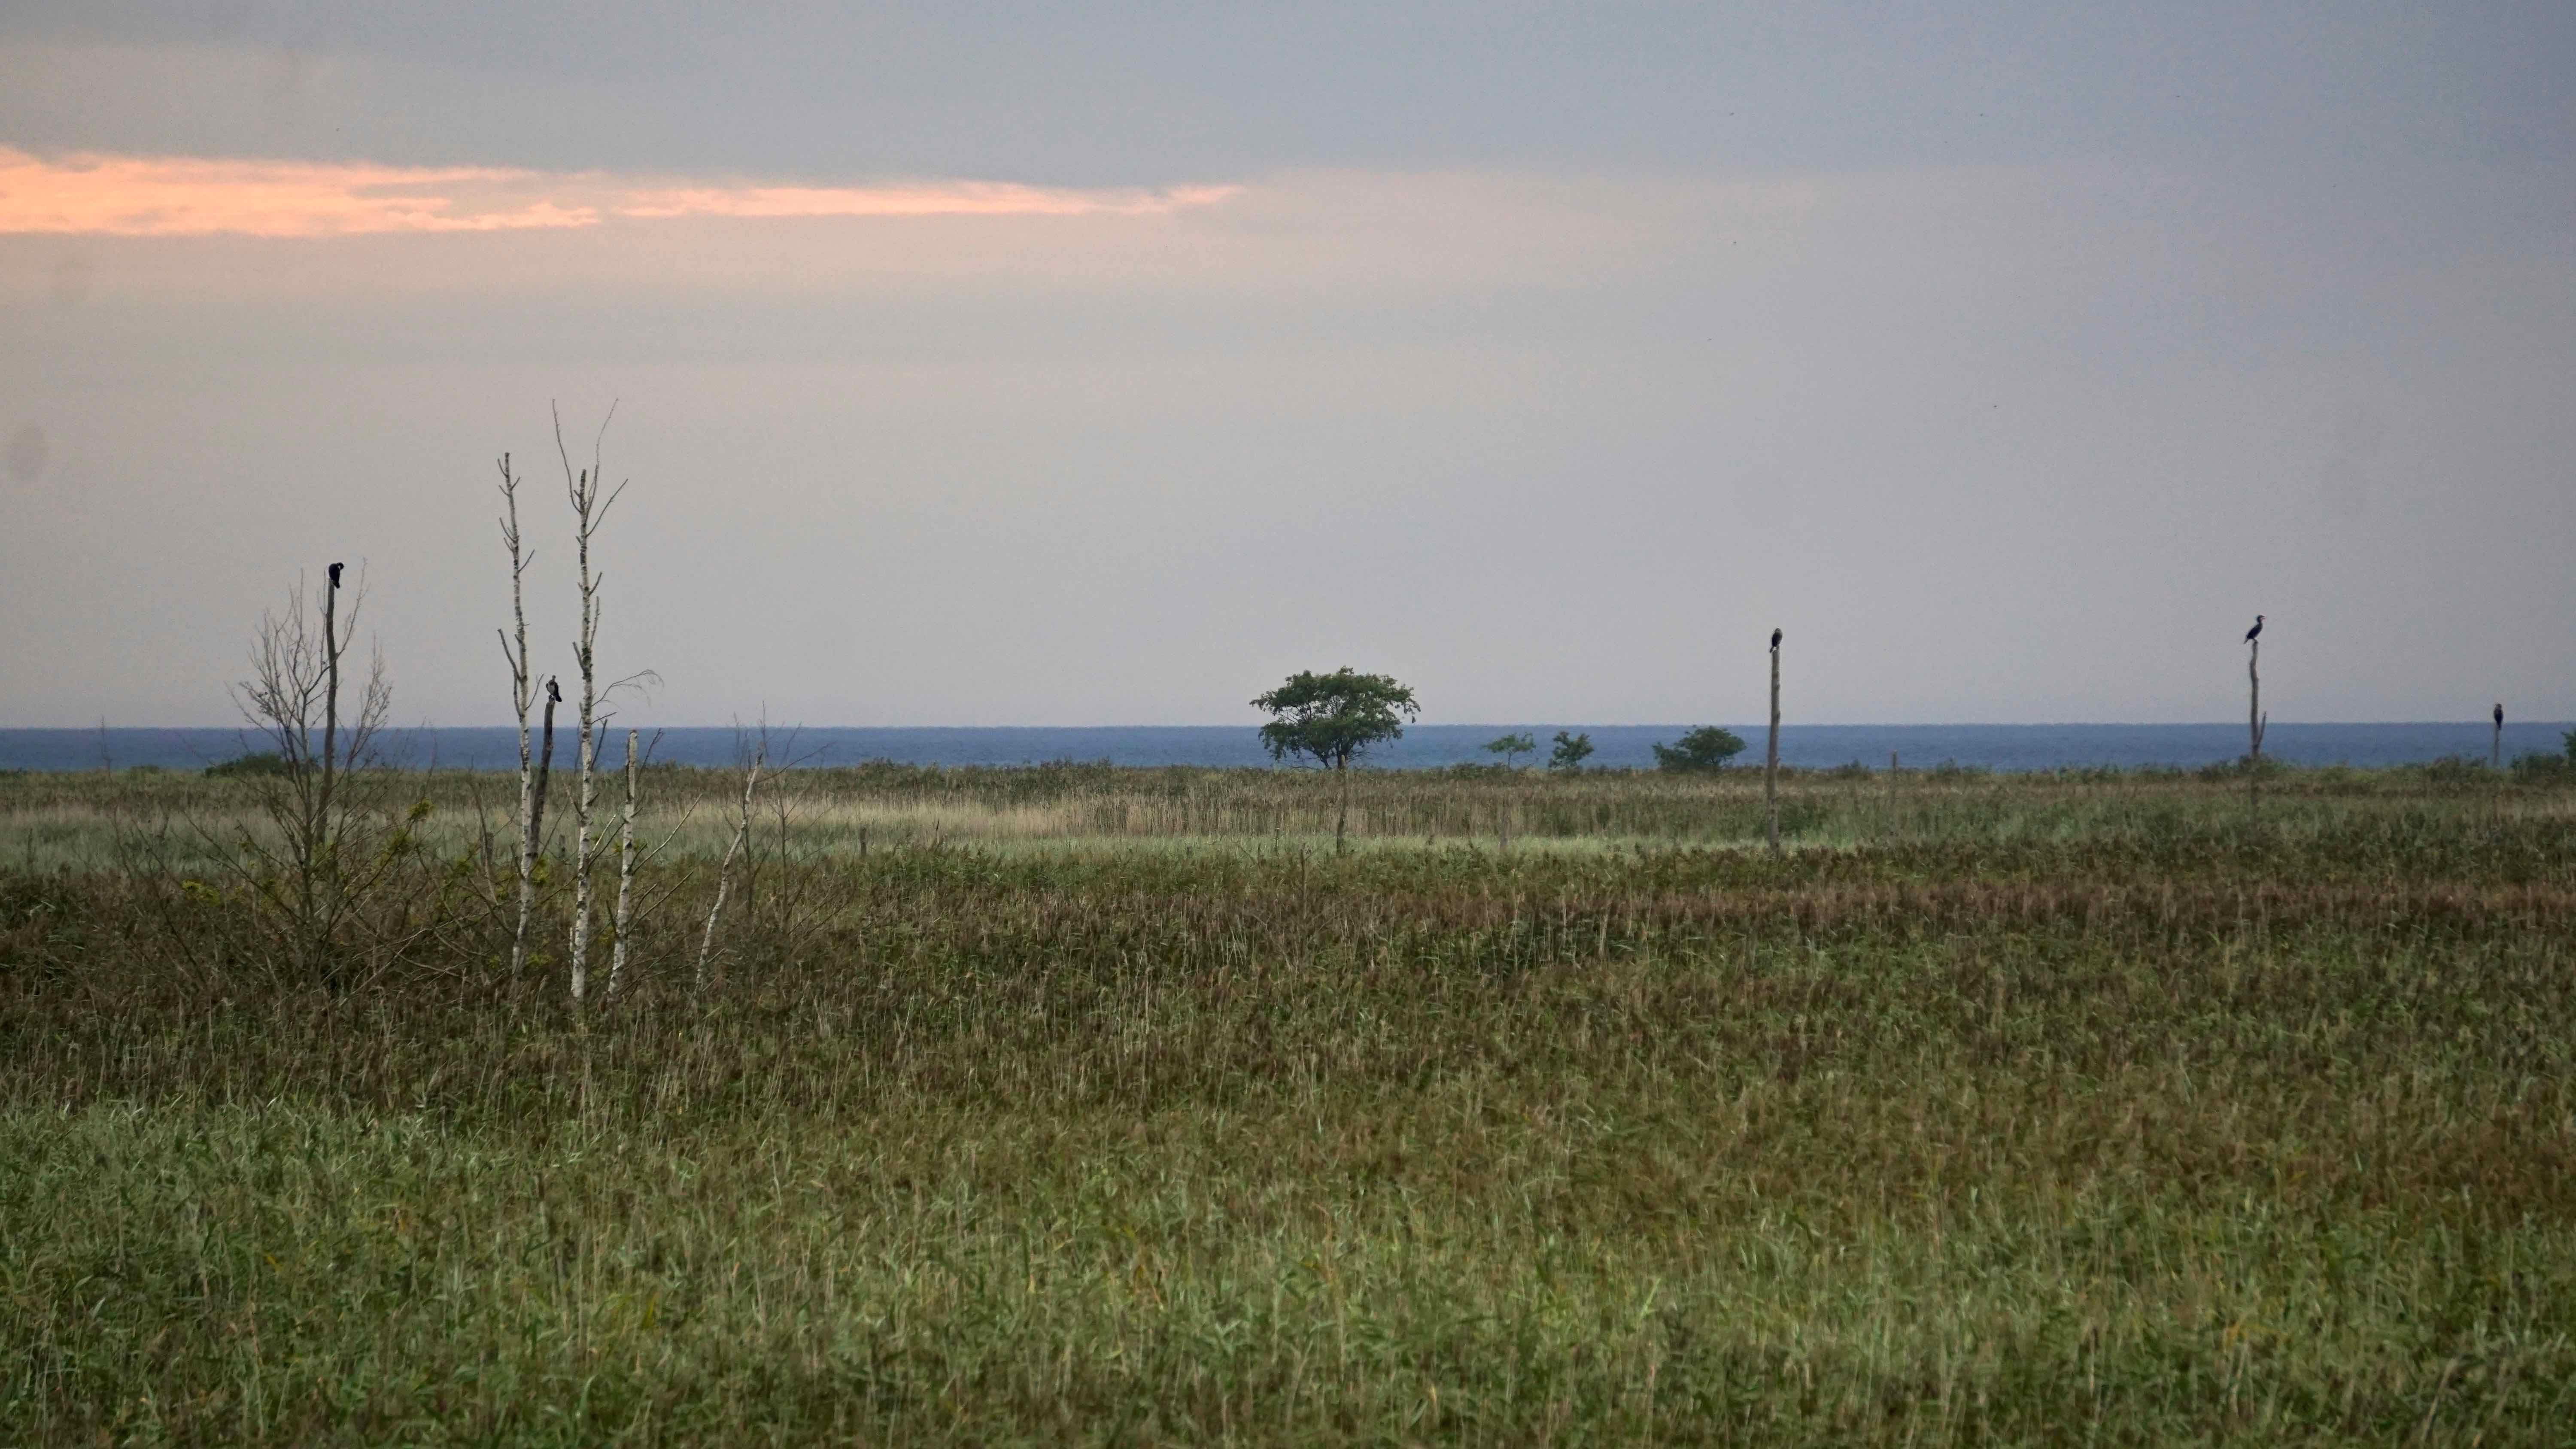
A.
pixel 1046 777
pixel 2002 749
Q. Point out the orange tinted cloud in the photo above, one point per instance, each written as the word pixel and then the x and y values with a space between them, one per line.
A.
pixel 963 198
pixel 190 196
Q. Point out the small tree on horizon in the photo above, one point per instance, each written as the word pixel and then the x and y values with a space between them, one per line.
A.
pixel 1509 745
pixel 1699 751
pixel 1570 752
pixel 1334 719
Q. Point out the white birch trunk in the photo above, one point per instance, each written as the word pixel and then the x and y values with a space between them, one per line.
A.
pixel 588 508
pixel 625 917
pixel 523 694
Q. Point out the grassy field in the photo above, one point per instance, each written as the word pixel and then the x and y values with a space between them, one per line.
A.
pixel 1079 1104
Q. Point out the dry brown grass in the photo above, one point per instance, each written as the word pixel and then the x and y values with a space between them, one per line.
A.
pixel 2164 1131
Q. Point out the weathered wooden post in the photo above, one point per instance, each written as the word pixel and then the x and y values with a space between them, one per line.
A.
pixel 1771 754
pixel 2255 721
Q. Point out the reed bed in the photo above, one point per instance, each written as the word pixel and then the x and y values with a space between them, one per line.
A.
pixel 2049 1110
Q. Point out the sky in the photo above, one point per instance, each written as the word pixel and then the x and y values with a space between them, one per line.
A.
pixel 985 363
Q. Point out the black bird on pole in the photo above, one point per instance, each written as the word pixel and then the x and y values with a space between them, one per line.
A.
pixel 2499 715
pixel 1775 638
pixel 554 691
pixel 335 576
pixel 2257 629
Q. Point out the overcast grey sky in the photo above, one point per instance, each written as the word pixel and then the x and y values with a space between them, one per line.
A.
pixel 985 363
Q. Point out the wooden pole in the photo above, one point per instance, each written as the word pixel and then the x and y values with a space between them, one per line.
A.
pixel 536 836
pixel 2255 720
pixel 331 691
pixel 1342 815
pixel 1771 754
pixel 2495 751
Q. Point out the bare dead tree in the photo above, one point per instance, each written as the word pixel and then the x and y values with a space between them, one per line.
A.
pixel 333 842
pixel 1771 755
pixel 796 909
pixel 523 696
pixel 751 771
pixel 590 506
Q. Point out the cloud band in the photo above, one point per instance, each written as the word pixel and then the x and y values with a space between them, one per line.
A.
pixel 192 196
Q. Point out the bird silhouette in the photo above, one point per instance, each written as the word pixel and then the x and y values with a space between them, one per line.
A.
pixel 1775 638
pixel 2257 629
pixel 335 576
pixel 2499 714
pixel 554 691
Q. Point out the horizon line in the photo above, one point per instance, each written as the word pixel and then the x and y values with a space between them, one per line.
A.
pixel 775 726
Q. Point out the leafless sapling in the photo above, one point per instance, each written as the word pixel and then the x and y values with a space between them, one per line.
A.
pixel 751 772
pixel 333 839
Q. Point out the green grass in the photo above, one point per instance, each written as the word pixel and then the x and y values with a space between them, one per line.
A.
pixel 2042 1110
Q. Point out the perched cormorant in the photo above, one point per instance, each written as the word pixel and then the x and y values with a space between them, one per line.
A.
pixel 335 576
pixel 2257 629
pixel 1775 639
pixel 2499 714
pixel 554 691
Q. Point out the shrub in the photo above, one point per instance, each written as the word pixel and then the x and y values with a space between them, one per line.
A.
pixel 1704 749
pixel 2453 770
pixel 248 767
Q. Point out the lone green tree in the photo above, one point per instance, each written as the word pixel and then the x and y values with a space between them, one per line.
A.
pixel 1570 752
pixel 1703 749
pixel 1508 746
pixel 1334 719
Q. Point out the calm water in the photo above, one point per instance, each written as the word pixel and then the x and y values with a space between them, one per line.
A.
pixel 1999 747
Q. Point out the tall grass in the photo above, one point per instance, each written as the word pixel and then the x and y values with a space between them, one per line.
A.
pixel 2043 1110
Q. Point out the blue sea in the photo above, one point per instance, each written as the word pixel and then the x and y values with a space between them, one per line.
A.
pixel 1995 747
